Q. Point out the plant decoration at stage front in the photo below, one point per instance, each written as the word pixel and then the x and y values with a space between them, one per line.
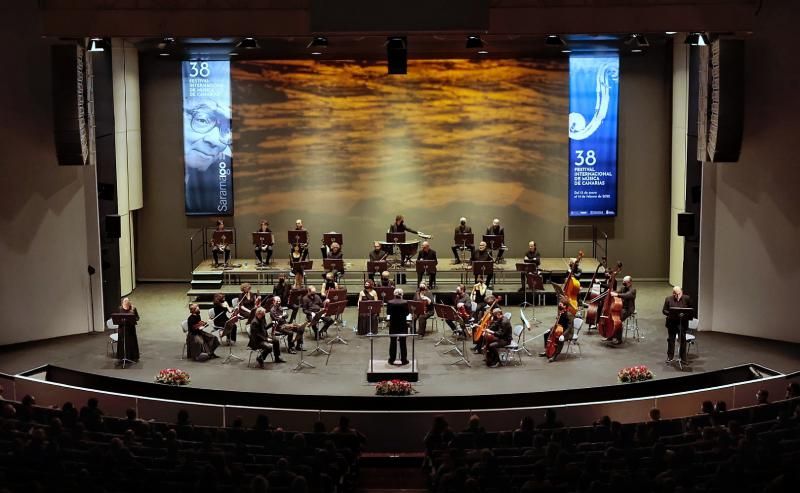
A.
pixel 394 387
pixel 635 374
pixel 172 376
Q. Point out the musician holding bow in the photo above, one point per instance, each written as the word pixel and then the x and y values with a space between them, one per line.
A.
pixel 564 323
pixel 425 296
pixel 293 332
pixel 200 345
pixel 312 304
pixel 498 335
pixel 260 339
pixel 628 296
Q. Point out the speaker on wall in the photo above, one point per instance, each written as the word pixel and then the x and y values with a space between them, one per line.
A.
pixel 686 224
pixel 726 101
pixel 113 227
pixel 69 108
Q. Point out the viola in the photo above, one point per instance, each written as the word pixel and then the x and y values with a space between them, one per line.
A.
pixel 610 322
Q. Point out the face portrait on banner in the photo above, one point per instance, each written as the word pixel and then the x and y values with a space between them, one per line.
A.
pixel 207 138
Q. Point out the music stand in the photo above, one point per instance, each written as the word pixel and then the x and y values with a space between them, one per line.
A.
pixel 124 321
pixel 328 238
pixel 396 238
pixel 333 265
pixel 385 293
pixel 525 267
pixel 302 265
pixel 534 281
pixel 495 242
pixel 302 363
pixel 684 315
pixel 377 266
pixel 262 239
pixel 427 267
pixel 370 307
pixel 482 268
pixel 335 309
pixel 314 321
pixel 408 250
pixel 465 241
pixel 416 309
pixel 297 236
pixel 224 238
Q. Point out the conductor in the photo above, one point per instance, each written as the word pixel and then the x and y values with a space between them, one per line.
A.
pixel 397 310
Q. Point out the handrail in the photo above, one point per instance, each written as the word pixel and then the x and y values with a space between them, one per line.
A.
pixel 192 248
pixel 596 246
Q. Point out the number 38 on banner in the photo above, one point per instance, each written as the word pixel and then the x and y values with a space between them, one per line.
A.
pixel 587 157
pixel 199 69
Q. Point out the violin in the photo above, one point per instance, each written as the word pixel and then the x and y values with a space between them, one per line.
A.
pixel 610 322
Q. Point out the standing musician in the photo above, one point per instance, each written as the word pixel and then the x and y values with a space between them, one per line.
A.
pixel 386 281
pixel 496 229
pixel 496 336
pixel 260 339
pixel 421 321
pixel 263 228
pixel 312 303
pixel 375 255
pixel 128 343
pixel 328 284
pixel 482 254
pixel 221 318
pixel 365 322
pixel 247 303
pixel 397 310
pixel 628 296
pixel 677 323
pixel 399 226
pixel 566 320
pixel 293 332
pixel 462 228
pixel 296 303
pixel 221 248
pixel 427 253
pixel 301 247
pixel 532 256
pixel 200 345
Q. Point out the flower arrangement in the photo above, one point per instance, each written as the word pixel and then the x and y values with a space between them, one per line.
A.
pixel 635 374
pixel 172 376
pixel 394 387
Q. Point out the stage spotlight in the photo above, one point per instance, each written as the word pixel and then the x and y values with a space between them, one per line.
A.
pixel 638 40
pixel 554 40
pixel 670 33
pixel 248 44
pixel 474 42
pixel 165 46
pixel 318 42
pixel 97 44
pixel 697 39
pixel 566 50
pixel 397 55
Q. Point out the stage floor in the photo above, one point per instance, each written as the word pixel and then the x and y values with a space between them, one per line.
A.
pixel 163 307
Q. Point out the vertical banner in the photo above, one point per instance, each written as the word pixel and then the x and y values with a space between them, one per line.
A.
pixel 593 113
pixel 207 138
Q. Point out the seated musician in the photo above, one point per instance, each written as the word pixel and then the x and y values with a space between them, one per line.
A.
pixel 260 249
pixel 328 284
pixel 478 296
pixel 247 302
pixel 280 289
pixel 301 247
pixel 367 324
pixel 336 254
pixel 312 303
pixel 386 281
pixel 200 345
pixel 497 335
pixel 482 254
pixel 220 248
pixel 496 229
pixel 324 249
pixel 532 256
pixel 293 298
pixel 628 295
pixel 375 255
pixel 294 261
pixel 566 319
pixel 462 228
pixel 260 339
pixel 293 332
pixel 421 321
pixel 460 298
pixel 220 318
pixel 427 253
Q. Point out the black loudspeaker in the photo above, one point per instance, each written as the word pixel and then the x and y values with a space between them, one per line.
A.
pixel 397 55
pixel 726 101
pixel 69 108
pixel 686 224
pixel 113 227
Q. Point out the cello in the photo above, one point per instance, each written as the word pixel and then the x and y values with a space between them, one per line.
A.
pixel 477 334
pixel 572 288
pixel 593 303
pixel 610 321
pixel 555 334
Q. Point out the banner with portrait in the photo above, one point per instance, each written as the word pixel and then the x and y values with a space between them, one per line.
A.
pixel 593 115
pixel 207 138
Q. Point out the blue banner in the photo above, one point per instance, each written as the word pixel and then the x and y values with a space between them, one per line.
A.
pixel 207 138
pixel 593 113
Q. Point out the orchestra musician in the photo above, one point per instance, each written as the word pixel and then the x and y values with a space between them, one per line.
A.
pixel 200 345
pixel 295 257
pixel 399 226
pixel 628 295
pixel 325 249
pixel 496 229
pixel 677 323
pixel 482 254
pixel 247 302
pixel 328 284
pixel 128 342
pixel 478 296
pixel 336 254
pixel 312 303
pixel 375 255
pixel 566 320
pixel 365 322
pixel 462 228
pixel 498 335
pixel 421 321
pixel 293 332
pixel 532 256
pixel 221 248
pixel 221 318
pixel 293 298
pixel 302 248
pixel 280 289
pixel 574 288
pixel 427 253
pixel 397 311
pixel 462 304
pixel 260 339
pixel 260 249
pixel 386 281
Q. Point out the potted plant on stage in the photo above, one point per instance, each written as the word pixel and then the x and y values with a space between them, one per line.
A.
pixel 633 374
pixel 172 376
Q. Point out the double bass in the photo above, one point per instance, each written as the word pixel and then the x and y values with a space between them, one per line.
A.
pixel 610 321
pixel 593 296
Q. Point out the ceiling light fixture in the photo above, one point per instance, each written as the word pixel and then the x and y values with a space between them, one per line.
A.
pixel 474 42
pixel 318 42
pixel 165 46
pixel 554 40
pixel 97 44
pixel 248 44
pixel 697 39
pixel 638 40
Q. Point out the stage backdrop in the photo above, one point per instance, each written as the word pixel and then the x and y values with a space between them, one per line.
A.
pixel 346 147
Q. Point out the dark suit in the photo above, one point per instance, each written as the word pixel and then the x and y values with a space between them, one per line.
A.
pixel 676 325
pixel 397 309
pixel 462 230
pixel 429 255
pixel 501 338
pixel 483 256
pixel 628 296
pixel 260 339
pixel 498 230
pixel 531 257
